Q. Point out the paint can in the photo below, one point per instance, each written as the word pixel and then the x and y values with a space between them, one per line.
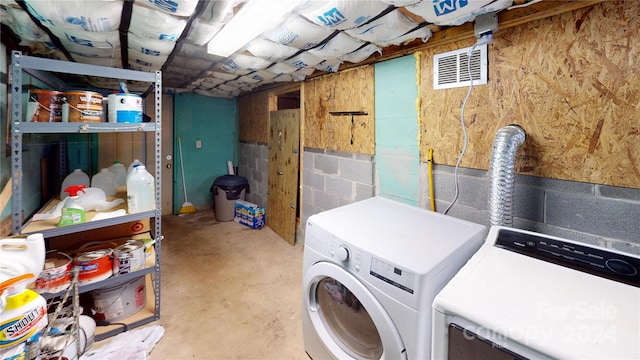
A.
pixel 128 257
pixel 125 108
pixel 82 106
pixel 120 301
pixel 94 266
pixel 44 105
pixel 56 275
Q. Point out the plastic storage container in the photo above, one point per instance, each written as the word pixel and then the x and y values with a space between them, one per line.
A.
pixel 125 108
pixel 132 166
pixel 118 170
pixel 77 177
pixel 106 181
pixel 140 191
pixel 225 190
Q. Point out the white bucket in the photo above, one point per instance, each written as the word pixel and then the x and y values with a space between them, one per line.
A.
pixel 125 108
pixel 119 302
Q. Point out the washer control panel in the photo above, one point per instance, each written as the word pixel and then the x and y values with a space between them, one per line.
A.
pixel 594 260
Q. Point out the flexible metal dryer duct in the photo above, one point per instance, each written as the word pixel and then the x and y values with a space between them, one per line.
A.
pixel 502 174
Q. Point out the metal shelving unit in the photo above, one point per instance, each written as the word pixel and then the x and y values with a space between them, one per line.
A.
pixel 36 67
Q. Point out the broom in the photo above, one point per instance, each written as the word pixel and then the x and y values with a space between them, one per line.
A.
pixel 187 207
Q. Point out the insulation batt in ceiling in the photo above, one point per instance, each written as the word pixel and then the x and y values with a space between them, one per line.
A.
pixel 453 12
pixel 155 24
pixel 393 28
pixel 341 14
pixel 172 36
pixel 92 16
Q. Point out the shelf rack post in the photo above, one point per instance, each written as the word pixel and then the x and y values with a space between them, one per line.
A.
pixel 16 142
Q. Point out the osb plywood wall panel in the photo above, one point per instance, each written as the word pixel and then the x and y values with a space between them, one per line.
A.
pixel 351 90
pixel 571 81
pixel 253 115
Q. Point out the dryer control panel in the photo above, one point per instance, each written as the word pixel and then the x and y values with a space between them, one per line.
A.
pixel 393 275
pixel 354 258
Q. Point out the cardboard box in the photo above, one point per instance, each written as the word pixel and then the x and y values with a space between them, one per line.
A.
pixel 75 240
pixel 249 214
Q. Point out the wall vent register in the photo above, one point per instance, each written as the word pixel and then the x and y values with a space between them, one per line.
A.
pixel 451 69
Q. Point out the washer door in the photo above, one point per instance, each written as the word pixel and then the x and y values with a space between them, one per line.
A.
pixel 347 317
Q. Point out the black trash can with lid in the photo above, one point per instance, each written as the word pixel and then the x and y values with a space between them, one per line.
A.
pixel 225 190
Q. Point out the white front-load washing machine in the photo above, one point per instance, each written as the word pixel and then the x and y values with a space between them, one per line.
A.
pixel 370 272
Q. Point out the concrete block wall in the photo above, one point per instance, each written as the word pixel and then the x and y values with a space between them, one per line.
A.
pixel 596 214
pixel 332 178
pixel 253 163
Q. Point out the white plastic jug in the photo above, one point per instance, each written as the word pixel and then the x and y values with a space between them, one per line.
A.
pixel 20 255
pixel 140 191
pixel 132 166
pixel 77 177
pixel 104 180
pixel 120 173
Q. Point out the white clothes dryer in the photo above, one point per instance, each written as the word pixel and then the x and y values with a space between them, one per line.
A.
pixel 370 272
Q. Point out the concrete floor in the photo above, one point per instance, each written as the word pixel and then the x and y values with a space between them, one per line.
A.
pixel 228 291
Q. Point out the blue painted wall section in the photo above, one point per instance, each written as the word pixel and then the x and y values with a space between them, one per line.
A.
pixel 212 121
pixel 397 148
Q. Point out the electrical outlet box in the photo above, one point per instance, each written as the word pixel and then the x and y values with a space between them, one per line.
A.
pixel 485 24
pixel 198 144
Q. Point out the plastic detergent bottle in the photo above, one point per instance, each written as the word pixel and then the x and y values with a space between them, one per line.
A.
pixel 140 191
pixel 23 312
pixel 120 173
pixel 132 166
pixel 106 181
pixel 72 211
pixel 76 177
